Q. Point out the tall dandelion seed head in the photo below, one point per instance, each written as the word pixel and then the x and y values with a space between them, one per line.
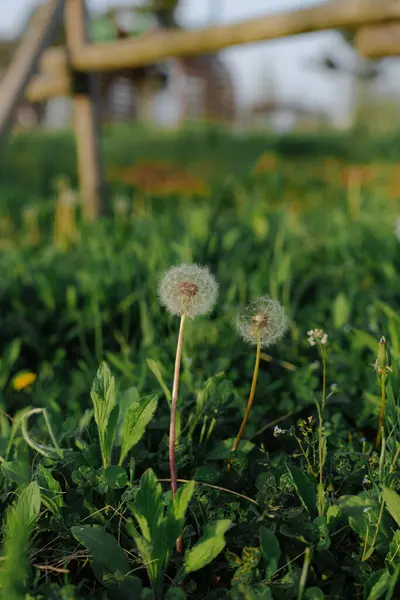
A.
pixel 262 321
pixel 188 290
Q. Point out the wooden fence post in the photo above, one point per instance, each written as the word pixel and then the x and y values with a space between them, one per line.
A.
pixel 86 115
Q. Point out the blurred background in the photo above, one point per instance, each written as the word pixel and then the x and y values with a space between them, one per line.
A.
pixel 313 81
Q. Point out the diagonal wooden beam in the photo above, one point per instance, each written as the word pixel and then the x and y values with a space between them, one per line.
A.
pixel 38 36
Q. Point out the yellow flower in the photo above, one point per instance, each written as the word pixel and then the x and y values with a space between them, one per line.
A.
pixel 23 380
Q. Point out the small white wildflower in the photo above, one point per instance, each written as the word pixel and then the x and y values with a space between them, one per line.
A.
pixel 278 431
pixel 315 365
pixel 367 509
pixel 363 440
pixel 334 387
pixel 317 335
pixel 188 290
pixel 263 321
pixel 365 481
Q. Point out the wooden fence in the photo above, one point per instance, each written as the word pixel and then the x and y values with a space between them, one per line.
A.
pixel 70 70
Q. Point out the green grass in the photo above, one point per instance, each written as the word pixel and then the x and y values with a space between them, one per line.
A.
pixel 107 527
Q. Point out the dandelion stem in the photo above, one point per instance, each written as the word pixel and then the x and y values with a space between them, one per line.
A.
pixel 323 376
pixel 382 413
pixel 172 426
pixel 250 401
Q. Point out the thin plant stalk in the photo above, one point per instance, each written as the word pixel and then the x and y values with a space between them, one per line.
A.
pixel 172 425
pixel 323 348
pixel 382 413
pixel 250 401
pixel 304 573
pixel 321 413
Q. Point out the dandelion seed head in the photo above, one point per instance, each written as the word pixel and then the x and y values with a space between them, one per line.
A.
pixel 262 321
pixel 189 290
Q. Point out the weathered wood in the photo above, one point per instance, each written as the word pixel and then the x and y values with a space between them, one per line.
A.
pixel 86 123
pixel 45 87
pixel 338 14
pixel 378 41
pixel 39 35
pixel 54 61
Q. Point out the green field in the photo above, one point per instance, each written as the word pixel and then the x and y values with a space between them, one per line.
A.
pixel 308 507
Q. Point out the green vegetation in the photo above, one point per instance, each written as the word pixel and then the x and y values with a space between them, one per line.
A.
pixel 308 506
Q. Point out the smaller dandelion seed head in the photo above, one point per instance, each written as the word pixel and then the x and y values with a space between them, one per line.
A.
pixel 189 290
pixel 263 321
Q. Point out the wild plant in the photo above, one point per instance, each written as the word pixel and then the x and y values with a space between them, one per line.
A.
pixel 185 291
pixel 261 324
pixel 382 369
pixel 317 337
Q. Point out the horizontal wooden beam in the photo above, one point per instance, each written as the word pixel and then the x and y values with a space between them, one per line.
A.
pixel 372 17
pixel 44 87
pixel 378 41
pixel 337 14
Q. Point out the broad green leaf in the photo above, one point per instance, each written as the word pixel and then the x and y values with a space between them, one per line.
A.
pixel 135 421
pixel 28 505
pixel 313 593
pixel 109 434
pixel 115 477
pixel 175 594
pixel 392 501
pixel 17 471
pixel 208 547
pixel 223 450
pixel 105 409
pixel 394 578
pixel 20 520
pixel 50 490
pixel 176 513
pixel 393 556
pixel 103 396
pixel 103 547
pixel 8 360
pixel 377 585
pixel 363 514
pixel 148 507
pixel 305 489
pixel 207 474
pixel 341 310
pixel 270 551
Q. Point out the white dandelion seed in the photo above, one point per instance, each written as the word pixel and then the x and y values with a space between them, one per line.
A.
pixel 263 321
pixel 188 290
